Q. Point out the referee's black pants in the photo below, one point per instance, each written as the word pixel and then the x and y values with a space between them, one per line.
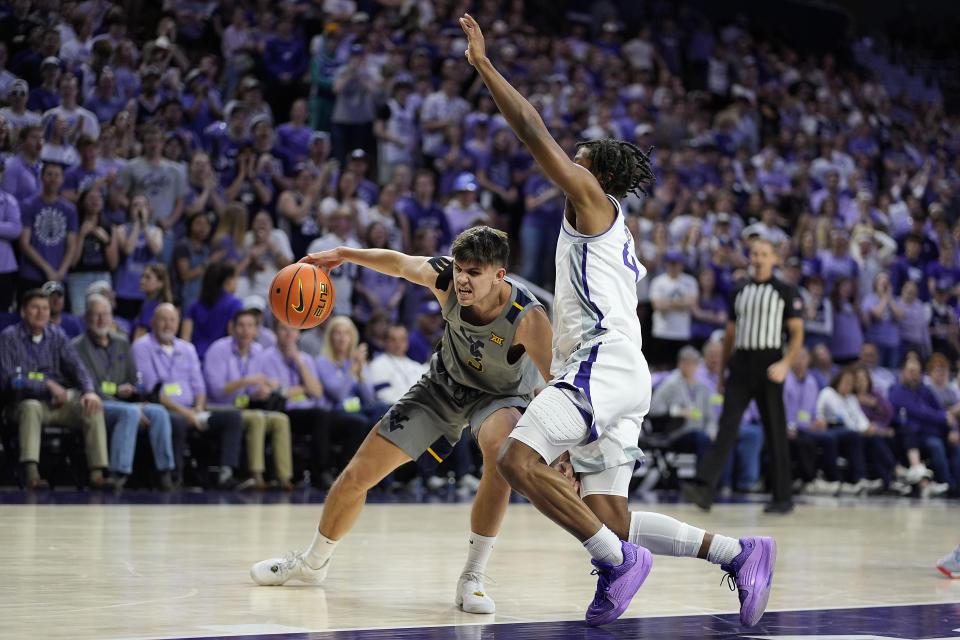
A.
pixel 748 381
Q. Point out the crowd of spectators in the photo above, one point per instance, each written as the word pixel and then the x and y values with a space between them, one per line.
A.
pixel 157 171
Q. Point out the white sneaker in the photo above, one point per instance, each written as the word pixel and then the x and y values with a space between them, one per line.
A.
pixel 821 487
pixel 851 489
pixel 277 571
pixel 949 564
pixel 872 486
pixel 471 597
pixel 902 488
pixel 916 473
pixel 435 483
pixel 934 489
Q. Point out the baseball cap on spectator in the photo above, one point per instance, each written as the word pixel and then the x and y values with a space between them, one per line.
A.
pixel 191 76
pixel 18 86
pixel 254 302
pixel 429 307
pixel 54 60
pixel 403 79
pixel 642 129
pixel 319 135
pixel 51 287
pixel 249 84
pixel 257 119
pixel 465 182
pixel 360 16
pixel 723 218
pixel 356 50
pixel 673 256
pixel 358 154
pixel 233 107
pixel 162 42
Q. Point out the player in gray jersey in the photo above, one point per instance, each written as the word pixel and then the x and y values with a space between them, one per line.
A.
pixel 495 351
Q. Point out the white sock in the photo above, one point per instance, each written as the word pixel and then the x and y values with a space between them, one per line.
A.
pixel 665 536
pixel 723 549
pixel 319 551
pixel 478 553
pixel 604 546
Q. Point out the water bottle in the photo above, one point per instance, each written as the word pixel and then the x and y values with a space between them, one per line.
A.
pixel 140 390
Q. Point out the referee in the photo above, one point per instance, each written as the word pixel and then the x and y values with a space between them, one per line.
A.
pixel 760 310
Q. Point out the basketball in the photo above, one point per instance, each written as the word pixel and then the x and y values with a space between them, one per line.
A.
pixel 301 296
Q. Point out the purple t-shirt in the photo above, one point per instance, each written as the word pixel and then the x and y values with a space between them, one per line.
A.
pixel 383 288
pixel 146 313
pixel 49 224
pixel 883 332
pixel 549 212
pixel 847 337
pixel 210 323
pixel 834 267
pixel 294 141
pixel 20 180
pixel 702 330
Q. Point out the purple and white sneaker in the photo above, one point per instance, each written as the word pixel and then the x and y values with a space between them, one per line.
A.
pixel 751 573
pixel 616 586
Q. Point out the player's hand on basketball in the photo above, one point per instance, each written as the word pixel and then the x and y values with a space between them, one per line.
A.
pixel 476 49
pixel 324 259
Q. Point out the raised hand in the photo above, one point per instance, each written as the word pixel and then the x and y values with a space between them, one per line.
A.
pixel 476 48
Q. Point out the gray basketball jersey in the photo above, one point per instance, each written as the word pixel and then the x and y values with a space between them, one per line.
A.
pixel 476 356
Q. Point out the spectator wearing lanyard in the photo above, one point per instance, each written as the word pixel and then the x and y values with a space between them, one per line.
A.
pixel 682 395
pixel 171 369
pixel 236 379
pixel 57 389
pixel 760 310
pixel 342 371
pixel 294 374
pixel 107 357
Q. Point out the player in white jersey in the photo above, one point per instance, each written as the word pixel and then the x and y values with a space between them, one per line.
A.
pixel 600 387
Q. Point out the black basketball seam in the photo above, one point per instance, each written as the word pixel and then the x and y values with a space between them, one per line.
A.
pixel 313 295
pixel 286 304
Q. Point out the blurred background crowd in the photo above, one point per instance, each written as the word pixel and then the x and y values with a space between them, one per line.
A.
pixel 160 162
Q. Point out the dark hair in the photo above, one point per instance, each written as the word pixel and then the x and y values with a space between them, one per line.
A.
pixel 50 163
pixel 857 368
pixel 838 376
pixel 620 167
pixel 482 245
pixel 81 208
pixel 835 294
pixel 253 313
pixel 32 294
pixel 215 274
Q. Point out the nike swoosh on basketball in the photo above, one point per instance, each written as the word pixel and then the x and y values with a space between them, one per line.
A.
pixel 299 307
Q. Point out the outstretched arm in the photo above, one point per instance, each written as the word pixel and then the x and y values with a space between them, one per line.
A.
pixel 580 186
pixel 433 273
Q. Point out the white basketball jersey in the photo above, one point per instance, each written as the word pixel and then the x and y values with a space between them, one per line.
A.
pixel 596 290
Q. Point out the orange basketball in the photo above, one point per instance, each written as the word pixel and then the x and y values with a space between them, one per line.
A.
pixel 301 296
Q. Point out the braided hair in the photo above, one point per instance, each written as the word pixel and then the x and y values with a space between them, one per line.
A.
pixel 620 167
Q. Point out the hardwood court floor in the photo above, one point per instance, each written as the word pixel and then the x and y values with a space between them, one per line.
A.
pixel 175 571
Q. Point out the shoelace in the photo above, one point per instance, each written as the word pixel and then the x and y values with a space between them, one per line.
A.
pixel 731 579
pixel 603 586
pixel 291 561
pixel 482 578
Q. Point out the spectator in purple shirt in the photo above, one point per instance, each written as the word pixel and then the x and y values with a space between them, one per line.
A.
pixel 294 373
pixel 293 137
pixel 57 389
pixel 914 324
pixel 49 237
pixel 543 210
pixel 21 179
pixel 285 57
pixel 10 228
pixel 837 262
pixel 910 267
pixel 342 371
pixel 234 378
pixel 925 426
pixel 847 335
pixel 157 289
pixel 423 211
pixel 171 371
pixel 207 318
pixel 105 103
pixel 375 291
pixel 882 313
pixel 710 311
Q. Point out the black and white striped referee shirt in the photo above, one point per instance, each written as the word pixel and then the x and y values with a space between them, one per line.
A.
pixel 761 311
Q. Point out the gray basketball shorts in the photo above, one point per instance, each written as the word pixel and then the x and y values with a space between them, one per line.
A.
pixel 430 417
